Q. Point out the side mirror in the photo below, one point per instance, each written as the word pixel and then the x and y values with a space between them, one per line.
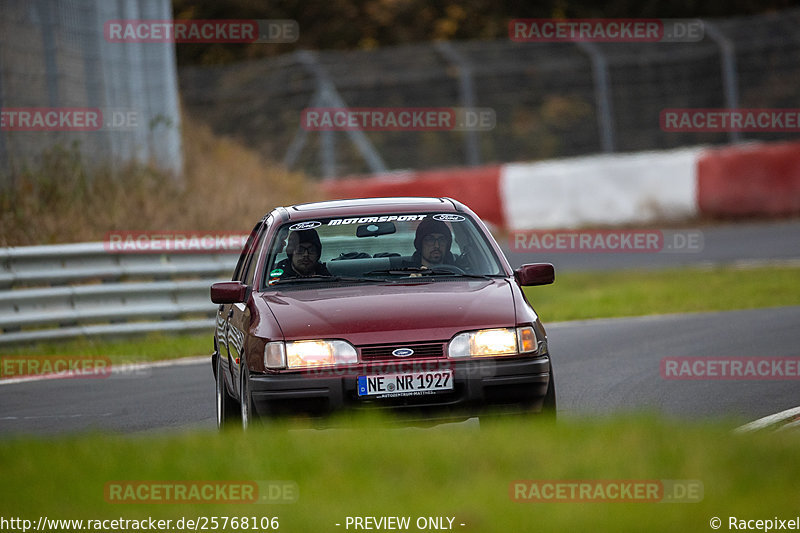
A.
pixel 535 274
pixel 228 292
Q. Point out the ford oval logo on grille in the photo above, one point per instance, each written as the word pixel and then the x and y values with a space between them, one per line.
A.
pixel 402 352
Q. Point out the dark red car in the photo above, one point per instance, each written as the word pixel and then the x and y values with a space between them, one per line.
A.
pixel 401 304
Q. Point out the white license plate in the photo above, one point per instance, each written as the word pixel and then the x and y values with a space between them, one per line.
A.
pixel 409 384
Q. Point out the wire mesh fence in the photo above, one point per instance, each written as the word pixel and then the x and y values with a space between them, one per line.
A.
pixel 551 99
pixel 115 103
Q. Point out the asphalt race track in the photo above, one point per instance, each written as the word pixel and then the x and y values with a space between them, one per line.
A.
pixel 602 367
pixel 723 244
pixel 612 366
pixel 152 399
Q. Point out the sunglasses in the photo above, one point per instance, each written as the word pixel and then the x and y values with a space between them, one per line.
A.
pixel 306 250
pixel 430 240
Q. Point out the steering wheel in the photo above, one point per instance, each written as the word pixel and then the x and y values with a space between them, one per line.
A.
pixel 452 268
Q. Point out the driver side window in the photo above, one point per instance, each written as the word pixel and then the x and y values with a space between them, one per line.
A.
pixel 252 260
pixel 247 253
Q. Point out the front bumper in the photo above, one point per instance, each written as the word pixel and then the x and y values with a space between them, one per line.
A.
pixel 509 384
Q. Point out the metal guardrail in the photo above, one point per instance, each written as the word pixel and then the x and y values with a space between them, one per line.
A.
pixel 72 290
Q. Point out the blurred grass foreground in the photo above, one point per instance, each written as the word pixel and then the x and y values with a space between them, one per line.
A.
pixel 495 477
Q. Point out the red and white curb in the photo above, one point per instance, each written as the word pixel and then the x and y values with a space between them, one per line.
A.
pixel 754 179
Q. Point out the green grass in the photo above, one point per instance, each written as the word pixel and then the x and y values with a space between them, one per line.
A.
pixel 574 296
pixel 153 347
pixel 584 295
pixel 460 471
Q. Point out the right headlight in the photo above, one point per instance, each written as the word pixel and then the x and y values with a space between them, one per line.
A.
pixel 495 342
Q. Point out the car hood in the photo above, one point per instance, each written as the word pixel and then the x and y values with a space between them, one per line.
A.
pixel 392 313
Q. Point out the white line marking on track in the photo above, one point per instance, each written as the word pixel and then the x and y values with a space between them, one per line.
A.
pixel 73 415
pixel 778 419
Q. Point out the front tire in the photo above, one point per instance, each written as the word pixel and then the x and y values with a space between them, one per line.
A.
pixel 226 405
pixel 549 404
pixel 546 414
pixel 245 399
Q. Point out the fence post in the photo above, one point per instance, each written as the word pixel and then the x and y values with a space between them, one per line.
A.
pixel 602 94
pixel 5 164
pixel 729 79
pixel 466 91
pixel 45 14
pixel 327 95
pixel 299 139
pixel 327 149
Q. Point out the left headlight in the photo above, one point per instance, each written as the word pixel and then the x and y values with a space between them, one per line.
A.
pixel 308 354
pixel 493 342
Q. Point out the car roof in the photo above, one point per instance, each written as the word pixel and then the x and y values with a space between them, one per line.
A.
pixel 369 206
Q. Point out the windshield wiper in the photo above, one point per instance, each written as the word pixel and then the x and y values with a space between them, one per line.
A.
pixel 424 271
pixel 400 271
pixel 321 278
pixel 447 272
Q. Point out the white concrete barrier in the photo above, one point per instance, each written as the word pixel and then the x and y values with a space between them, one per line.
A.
pixel 600 189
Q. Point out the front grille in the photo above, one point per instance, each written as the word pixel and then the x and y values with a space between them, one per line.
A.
pixel 383 352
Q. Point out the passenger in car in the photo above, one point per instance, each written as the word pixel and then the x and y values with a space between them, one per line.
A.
pixel 432 244
pixel 303 249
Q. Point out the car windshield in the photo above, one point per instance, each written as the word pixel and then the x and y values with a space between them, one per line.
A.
pixel 380 248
